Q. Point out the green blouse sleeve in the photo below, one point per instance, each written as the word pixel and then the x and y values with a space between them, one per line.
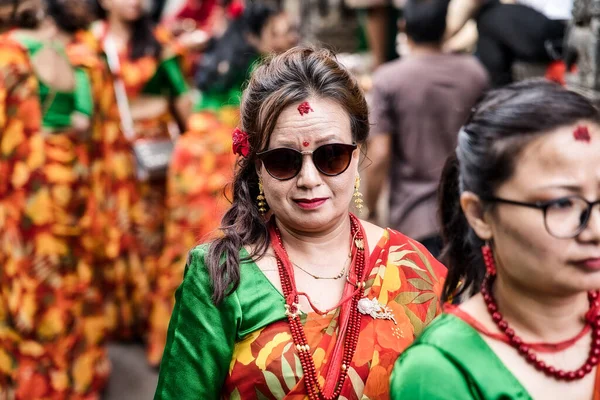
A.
pixel 200 340
pixel 83 93
pixel 424 373
pixel 168 78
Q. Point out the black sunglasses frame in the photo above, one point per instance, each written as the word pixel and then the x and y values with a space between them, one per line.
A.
pixel 263 154
pixel 544 205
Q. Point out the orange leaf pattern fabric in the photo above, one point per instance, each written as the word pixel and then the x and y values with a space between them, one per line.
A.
pixel 404 276
pixel 132 212
pixel 51 332
pixel 201 168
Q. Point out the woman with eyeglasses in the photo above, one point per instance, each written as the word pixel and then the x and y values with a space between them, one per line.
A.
pixel 521 221
pixel 298 297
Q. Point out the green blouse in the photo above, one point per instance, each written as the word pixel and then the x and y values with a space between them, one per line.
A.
pixel 196 367
pixel 58 106
pixel 168 80
pixel 451 361
pixel 214 100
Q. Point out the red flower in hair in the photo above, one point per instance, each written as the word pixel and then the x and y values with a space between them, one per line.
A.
pixel 235 10
pixel 240 143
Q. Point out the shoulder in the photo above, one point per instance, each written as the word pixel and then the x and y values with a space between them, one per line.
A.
pixel 12 51
pixel 196 274
pixel 196 258
pixel 423 372
pixel 15 66
pixel 424 363
pixel 473 66
pixel 374 233
pixel 83 51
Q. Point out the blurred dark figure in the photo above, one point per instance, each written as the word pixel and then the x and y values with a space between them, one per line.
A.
pixel 381 26
pixel 522 30
pixel 418 106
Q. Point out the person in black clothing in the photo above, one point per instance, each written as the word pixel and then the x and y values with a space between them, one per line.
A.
pixel 510 32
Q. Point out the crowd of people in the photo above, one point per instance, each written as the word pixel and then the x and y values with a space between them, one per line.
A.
pixel 193 182
pixel 95 228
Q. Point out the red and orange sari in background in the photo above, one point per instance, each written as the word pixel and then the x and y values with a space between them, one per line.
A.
pixel 132 211
pixel 51 339
pixel 201 168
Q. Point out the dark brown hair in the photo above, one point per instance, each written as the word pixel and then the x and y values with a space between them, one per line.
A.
pixel 489 145
pixel 275 84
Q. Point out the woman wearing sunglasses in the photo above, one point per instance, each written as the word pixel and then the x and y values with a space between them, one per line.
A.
pixel 520 208
pixel 298 298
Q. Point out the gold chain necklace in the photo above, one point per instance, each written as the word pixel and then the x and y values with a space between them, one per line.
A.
pixel 338 276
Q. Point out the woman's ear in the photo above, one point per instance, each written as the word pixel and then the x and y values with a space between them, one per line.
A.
pixel 258 168
pixel 474 212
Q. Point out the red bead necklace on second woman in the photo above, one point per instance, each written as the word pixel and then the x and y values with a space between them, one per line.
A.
pixel 592 319
pixel 350 317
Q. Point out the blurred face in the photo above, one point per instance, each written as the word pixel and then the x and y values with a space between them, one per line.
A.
pixel 126 10
pixel 311 201
pixel 279 35
pixel 553 166
pixel 6 14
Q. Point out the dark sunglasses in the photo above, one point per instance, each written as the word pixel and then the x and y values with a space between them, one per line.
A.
pixel 284 163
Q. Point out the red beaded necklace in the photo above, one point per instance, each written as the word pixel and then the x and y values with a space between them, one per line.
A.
pixel 592 318
pixel 349 326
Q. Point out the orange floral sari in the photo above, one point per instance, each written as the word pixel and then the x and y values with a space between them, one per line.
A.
pixel 200 170
pixel 51 338
pixel 404 276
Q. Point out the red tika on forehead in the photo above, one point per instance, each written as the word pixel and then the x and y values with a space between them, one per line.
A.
pixel 304 108
pixel 582 134
pixel 305 143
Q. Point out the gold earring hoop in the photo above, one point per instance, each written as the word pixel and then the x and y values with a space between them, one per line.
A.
pixel 358 201
pixel 261 200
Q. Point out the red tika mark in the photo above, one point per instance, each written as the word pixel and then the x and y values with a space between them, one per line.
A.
pixel 304 108
pixel 305 143
pixel 582 134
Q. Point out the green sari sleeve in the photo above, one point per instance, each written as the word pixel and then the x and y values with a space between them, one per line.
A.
pixel 424 373
pixel 83 93
pixel 168 80
pixel 200 340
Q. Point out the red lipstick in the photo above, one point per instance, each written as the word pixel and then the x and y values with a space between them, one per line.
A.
pixel 310 204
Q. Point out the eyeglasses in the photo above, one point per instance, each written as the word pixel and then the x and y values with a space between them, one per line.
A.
pixel 564 218
pixel 284 163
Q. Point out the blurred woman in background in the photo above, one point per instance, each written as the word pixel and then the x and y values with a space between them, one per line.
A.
pixel 57 348
pixel 203 162
pixel 155 107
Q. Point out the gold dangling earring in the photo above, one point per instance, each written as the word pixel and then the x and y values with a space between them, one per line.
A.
pixel 358 201
pixel 262 203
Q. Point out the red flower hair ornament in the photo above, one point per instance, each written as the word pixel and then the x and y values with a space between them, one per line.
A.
pixel 240 146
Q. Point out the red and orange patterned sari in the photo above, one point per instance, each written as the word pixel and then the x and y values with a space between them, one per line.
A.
pixel 200 170
pixel 243 348
pixel 51 340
